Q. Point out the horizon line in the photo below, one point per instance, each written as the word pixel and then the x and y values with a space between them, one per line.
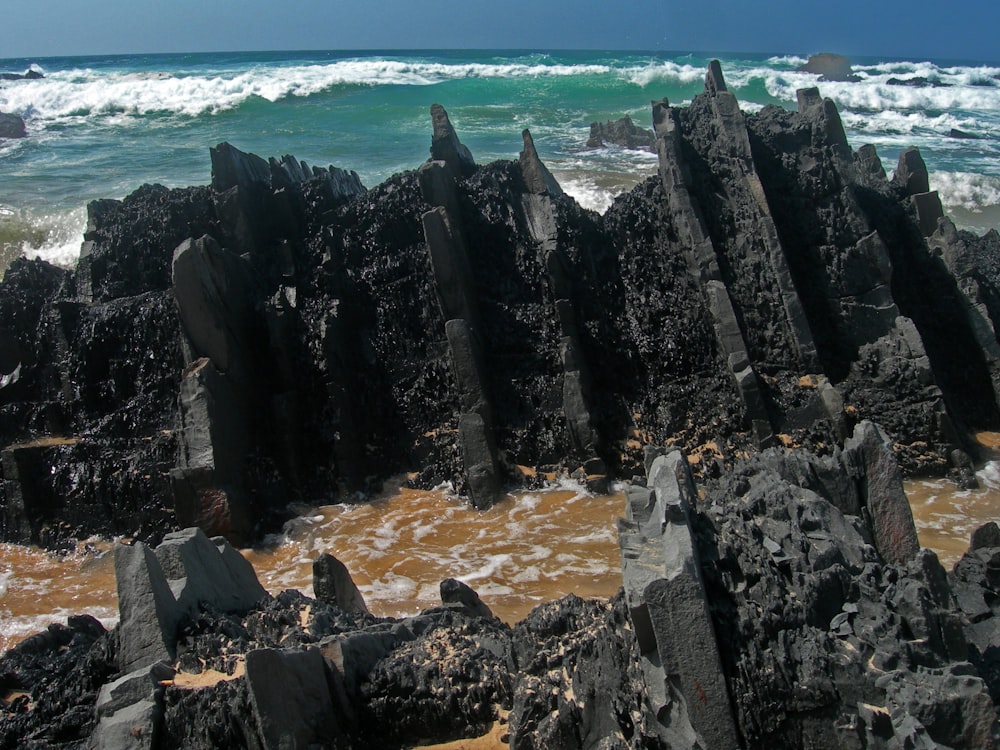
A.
pixel 522 50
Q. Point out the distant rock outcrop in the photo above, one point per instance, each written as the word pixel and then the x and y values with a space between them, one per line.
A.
pixel 623 132
pixel 30 75
pixel 830 67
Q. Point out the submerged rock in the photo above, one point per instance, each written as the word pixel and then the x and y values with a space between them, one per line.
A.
pixel 12 126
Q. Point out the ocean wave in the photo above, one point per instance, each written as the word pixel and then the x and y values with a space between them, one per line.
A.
pixel 896 122
pixel 89 92
pixel 663 72
pixel 973 192
pixel 55 237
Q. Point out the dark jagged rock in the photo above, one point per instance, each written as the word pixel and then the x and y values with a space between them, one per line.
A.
pixel 446 147
pixel 822 642
pixel 313 337
pixel 333 585
pixel 461 594
pixel 12 126
pixel 623 132
pixel 830 67
pixel 911 172
pixel 579 683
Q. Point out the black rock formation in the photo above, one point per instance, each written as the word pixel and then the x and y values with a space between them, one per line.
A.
pixel 221 351
pixel 624 133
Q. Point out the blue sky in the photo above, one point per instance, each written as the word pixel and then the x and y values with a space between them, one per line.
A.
pixel 964 30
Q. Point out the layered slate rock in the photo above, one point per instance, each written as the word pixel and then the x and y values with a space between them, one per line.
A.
pixel 778 593
pixel 471 324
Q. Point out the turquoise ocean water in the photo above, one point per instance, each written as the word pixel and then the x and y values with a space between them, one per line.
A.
pixel 102 126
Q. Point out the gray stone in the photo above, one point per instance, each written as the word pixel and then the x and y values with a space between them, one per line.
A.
pixel 148 613
pixel 467 365
pixel 829 66
pixel 985 537
pixel 204 571
pixel 291 699
pixel 354 655
pixel 807 99
pixel 624 133
pixel 134 727
pixel 714 81
pixel 479 458
pixel 929 210
pixel 212 287
pixel 207 483
pixel 668 605
pixel 869 458
pixel 332 583
pixel 141 685
pixel 455 283
pixel 233 168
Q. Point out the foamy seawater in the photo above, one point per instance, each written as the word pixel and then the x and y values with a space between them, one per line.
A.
pixel 528 549
pixel 99 127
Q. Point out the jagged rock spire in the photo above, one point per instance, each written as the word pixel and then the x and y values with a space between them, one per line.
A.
pixel 446 147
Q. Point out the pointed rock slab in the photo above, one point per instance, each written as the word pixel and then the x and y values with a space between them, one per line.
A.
pixel 537 177
pixel 202 570
pixel 148 613
pixel 214 292
pixel 929 210
pixel 870 462
pixel 446 147
pixel 234 168
pixel 911 172
pixel 455 592
pixel 158 588
pixel 332 584
pixel 669 607
pixel 479 457
pixel 714 80
pixel 455 284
